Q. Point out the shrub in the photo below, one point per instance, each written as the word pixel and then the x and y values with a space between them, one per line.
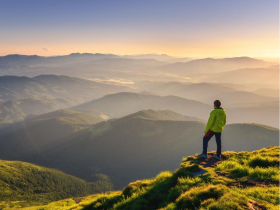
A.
pixel 266 174
pixel 264 162
pixel 194 197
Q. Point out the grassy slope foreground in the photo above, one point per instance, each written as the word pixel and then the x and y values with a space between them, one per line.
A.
pixel 24 184
pixel 244 180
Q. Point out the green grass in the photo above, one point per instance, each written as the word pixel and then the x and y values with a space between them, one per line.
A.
pixel 24 184
pixel 258 166
pixel 183 190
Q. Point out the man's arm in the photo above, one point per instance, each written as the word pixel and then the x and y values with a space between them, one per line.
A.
pixel 225 120
pixel 210 122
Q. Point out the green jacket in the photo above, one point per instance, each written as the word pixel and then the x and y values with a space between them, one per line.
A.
pixel 216 121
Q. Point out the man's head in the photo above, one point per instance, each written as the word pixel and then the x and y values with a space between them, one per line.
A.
pixel 217 103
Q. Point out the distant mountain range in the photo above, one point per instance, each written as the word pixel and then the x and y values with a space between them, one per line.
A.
pixel 161 57
pixel 267 76
pixel 17 110
pixel 21 96
pixel 132 68
pixel 208 92
pixel 121 104
pixel 104 118
pixel 129 148
pixel 54 86
pixel 211 65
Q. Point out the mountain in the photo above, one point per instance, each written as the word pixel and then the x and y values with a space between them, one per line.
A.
pixel 137 147
pixel 24 184
pixel 240 98
pixel 159 57
pixel 268 92
pixel 123 69
pixel 90 66
pixel 28 87
pixel 211 65
pixel 162 115
pixel 266 114
pixel 30 60
pixel 54 86
pixel 193 91
pixel 208 92
pixel 17 110
pixel 121 104
pixel 36 133
pixel 267 76
pixel 81 89
pixel 244 180
pixel 6 94
pixel 21 96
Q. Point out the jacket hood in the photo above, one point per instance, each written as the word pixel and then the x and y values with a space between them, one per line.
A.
pixel 219 110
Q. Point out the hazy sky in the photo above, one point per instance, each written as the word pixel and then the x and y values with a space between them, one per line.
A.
pixel 203 28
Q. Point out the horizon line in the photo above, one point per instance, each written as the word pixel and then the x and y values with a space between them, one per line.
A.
pixel 164 54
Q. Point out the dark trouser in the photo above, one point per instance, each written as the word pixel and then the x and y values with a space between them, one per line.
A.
pixel 218 141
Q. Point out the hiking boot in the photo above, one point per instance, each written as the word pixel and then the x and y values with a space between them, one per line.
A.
pixel 202 155
pixel 216 157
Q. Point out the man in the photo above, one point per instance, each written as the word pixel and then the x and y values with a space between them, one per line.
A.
pixel 215 126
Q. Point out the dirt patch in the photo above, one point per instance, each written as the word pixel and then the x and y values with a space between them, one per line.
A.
pixel 210 161
pixel 220 174
pixel 78 199
pixel 253 205
pixel 251 183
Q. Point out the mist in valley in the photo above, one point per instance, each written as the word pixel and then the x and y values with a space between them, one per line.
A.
pixel 96 99
pixel 104 106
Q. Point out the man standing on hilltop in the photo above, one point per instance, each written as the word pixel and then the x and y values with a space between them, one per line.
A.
pixel 215 126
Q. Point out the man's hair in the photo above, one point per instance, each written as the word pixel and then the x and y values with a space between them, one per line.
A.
pixel 217 103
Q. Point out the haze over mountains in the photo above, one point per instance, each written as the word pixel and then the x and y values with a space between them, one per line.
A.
pixel 135 68
pixel 21 96
pixel 133 147
pixel 239 111
pixel 128 117
pixel 210 65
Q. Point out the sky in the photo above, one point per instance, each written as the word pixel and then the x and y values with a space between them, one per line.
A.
pixel 182 28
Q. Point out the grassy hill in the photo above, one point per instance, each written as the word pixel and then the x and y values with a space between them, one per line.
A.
pixel 40 131
pixel 137 147
pixel 244 180
pixel 24 184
